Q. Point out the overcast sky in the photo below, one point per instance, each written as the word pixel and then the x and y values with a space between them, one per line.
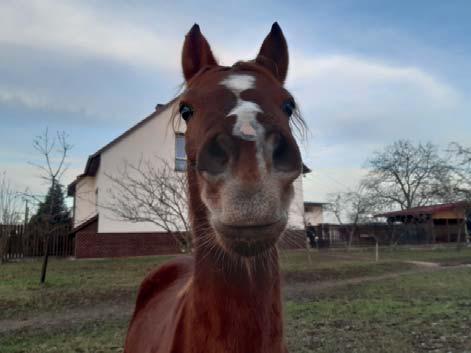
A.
pixel 365 73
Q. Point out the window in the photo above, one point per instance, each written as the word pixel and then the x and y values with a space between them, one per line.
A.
pixel 180 155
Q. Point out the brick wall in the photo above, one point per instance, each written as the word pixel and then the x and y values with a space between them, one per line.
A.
pixel 90 244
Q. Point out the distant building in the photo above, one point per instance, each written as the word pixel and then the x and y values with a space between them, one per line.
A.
pixel 442 222
pixel 314 212
pixel 98 232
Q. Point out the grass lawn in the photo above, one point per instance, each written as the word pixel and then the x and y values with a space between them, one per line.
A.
pixel 70 283
pixel 412 312
pixel 428 312
pixel 92 337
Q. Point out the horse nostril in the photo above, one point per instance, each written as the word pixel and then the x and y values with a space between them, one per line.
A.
pixel 285 156
pixel 214 155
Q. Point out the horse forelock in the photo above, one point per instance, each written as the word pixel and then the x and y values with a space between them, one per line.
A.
pixel 211 77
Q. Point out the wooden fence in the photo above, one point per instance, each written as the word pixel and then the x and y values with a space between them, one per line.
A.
pixel 18 241
pixel 335 235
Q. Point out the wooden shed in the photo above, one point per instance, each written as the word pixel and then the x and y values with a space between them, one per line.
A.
pixel 445 222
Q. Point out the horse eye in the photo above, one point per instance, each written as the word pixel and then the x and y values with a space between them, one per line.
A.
pixel 186 112
pixel 288 107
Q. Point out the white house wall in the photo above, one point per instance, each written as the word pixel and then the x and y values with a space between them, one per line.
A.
pixel 153 141
pixel 85 200
pixel 296 212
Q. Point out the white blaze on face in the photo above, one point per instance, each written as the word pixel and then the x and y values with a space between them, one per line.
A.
pixel 246 127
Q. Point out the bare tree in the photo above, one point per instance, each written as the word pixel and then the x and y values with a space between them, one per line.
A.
pixel 459 158
pixel 152 192
pixel 53 151
pixel 9 201
pixel 457 186
pixel 337 204
pixel 9 211
pixel 353 206
pixel 405 175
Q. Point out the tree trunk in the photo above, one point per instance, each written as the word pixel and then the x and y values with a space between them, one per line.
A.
pixel 308 251
pixel 350 237
pixel 47 229
pixel 377 250
pixel 45 259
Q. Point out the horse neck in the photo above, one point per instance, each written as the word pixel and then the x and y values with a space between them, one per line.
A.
pixel 252 283
pixel 238 301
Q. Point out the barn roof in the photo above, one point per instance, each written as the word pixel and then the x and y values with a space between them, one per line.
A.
pixel 424 210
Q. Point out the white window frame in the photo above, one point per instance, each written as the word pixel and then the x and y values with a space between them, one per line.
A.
pixel 179 160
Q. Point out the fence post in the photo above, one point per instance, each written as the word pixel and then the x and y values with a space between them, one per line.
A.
pixel 377 250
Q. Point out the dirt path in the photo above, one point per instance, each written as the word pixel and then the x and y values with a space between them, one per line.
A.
pixel 69 318
pixel 123 310
pixel 303 290
pixel 424 263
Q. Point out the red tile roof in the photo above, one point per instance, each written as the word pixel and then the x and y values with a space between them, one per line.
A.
pixel 426 209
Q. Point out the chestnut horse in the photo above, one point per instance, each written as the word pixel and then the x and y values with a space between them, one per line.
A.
pixel 242 161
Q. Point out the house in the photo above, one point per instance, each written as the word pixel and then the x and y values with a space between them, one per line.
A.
pixel 98 232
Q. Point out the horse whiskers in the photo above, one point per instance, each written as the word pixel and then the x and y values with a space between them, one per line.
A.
pixel 229 264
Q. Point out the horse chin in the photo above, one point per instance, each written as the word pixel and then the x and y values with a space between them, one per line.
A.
pixel 248 241
pixel 249 249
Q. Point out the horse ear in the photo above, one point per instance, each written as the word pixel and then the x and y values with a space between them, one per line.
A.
pixel 196 53
pixel 273 54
